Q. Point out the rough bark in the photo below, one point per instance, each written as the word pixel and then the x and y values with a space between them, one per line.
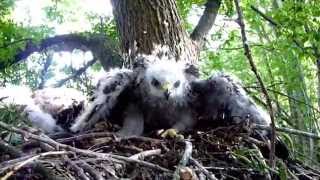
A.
pixel 143 24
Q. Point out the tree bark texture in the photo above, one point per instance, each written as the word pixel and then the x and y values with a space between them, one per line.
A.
pixel 145 24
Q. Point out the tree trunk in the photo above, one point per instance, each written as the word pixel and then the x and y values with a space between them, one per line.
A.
pixel 144 25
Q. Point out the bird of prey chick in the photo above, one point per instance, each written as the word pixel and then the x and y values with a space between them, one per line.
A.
pixel 153 95
pixel 221 97
pixel 48 109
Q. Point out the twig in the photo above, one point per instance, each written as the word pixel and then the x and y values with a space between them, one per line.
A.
pixel 202 169
pixel 77 170
pixel 45 172
pixel 270 20
pixel 187 154
pixel 7 164
pixel 6 148
pixel 77 73
pixel 287 96
pixel 288 130
pixel 96 175
pixel 277 24
pixel 184 160
pixel 142 155
pixel 247 53
pixel 85 136
pixel 20 165
pixel 111 157
pixel 26 134
pixel 104 134
pixel 255 141
pixel 230 169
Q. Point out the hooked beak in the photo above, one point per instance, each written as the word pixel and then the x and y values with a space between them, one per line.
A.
pixel 166 94
pixel 166 88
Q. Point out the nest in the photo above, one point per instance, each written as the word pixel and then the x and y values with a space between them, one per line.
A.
pixel 219 153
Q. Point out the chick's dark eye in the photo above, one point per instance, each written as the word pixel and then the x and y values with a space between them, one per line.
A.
pixel 176 84
pixel 155 82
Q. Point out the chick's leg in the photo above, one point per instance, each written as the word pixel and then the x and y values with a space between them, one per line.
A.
pixel 186 122
pixel 133 123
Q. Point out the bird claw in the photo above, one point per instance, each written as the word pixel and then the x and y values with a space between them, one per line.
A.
pixel 172 133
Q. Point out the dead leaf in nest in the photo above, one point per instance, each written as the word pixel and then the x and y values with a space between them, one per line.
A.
pixel 187 174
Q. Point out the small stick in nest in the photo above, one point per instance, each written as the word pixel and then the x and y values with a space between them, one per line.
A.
pixel 202 169
pixel 57 145
pixel 142 155
pixel 32 159
pixel 184 160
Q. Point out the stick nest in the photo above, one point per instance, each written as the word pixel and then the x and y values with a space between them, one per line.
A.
pixel 218 153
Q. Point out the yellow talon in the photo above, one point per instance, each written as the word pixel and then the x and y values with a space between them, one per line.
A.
pixel 172 133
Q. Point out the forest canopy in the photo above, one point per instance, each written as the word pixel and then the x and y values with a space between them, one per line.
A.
pixel 68 43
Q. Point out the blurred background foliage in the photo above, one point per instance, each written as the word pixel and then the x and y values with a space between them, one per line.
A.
pixel 284 37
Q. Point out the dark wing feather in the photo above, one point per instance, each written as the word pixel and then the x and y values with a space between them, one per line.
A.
pixel 110 87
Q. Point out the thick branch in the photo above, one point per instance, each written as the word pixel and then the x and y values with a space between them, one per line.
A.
pixel 206 21
pixel 247 53
pixel 101 47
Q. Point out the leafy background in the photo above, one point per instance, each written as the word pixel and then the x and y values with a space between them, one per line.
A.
pixel 285 50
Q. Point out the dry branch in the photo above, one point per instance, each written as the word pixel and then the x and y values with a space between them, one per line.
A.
pixel 101 47
pixel 288 130
pixel 95 174
pixel 247 53
pixel 184 160
pixel 212 151
pixel 58 146
pixel 142 155
pixel 270 20
pixel 76 74
pixel 7 148
pixel 77 170
pixel 202 169
pixel 30 160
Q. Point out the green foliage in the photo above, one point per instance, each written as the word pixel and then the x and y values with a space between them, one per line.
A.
pixel 285 54
pixel 184 6
pixel 282 170
pixel 13 37
pixel 12 114
pixel 251 158
pixel 5 7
